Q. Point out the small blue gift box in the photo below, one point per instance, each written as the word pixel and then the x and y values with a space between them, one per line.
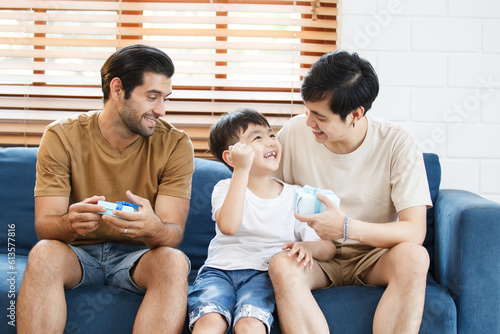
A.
pixel 307 203
pixel 122 206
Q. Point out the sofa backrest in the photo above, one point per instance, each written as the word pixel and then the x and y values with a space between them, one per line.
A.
pixel 200 228
pixel 17 184
pixel 433 169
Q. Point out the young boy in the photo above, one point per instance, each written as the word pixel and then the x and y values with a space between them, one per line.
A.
pixel 254 216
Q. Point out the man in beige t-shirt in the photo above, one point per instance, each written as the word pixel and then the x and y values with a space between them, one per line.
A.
pixel 377 170
pixel 123 153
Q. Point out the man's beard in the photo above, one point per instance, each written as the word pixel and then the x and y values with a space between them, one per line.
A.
pixel 129 118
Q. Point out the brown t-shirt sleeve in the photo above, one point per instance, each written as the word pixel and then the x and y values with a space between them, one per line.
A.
pixel 53 173
pixel 176 177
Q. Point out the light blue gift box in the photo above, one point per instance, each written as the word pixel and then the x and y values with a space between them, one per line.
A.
pixel 122 206
pixel 307 203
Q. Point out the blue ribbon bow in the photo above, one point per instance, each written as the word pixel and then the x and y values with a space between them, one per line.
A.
pixel 121 204
pixel 314 191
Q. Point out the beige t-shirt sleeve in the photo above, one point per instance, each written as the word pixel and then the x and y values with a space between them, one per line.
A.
pixel 408 176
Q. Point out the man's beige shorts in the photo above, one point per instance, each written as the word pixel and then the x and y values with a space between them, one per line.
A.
pixel 351 264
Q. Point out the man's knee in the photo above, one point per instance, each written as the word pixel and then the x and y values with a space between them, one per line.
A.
pixel 166 262
pixel 171 257
pixel 279 266
pixel 54 261
pixel 412 260
pixel 285 271
pixel 49 254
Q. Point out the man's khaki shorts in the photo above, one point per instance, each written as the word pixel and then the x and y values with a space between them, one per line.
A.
pixel 351 264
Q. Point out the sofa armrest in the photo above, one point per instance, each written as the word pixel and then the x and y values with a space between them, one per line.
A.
pixel 467 250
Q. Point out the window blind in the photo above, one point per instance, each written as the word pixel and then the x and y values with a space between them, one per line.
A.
pixel 227 54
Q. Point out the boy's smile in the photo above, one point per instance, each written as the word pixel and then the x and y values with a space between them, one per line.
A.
pixel 265 145
pixel 269 155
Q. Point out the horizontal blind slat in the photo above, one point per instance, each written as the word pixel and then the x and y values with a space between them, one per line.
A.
pixel 171 6
pixel 150 19
pixel 177 94
pixel 177 56
pixel 214 45
pixel 187 93
pixel 201 83
pixel 179 108
pixel 170 32
pixel 83 67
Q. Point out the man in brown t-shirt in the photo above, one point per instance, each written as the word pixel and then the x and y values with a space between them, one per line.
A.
pixel 123 153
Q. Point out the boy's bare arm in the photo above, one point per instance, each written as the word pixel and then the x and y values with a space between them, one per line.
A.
pixel 229 216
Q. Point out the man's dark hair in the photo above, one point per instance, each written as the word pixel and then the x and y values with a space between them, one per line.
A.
pixel 344 79
pixel 229 127
pixel 130 63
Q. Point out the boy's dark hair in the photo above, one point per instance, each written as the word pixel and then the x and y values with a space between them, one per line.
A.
pixel 344 79
pixel 130 63
pixel 229 127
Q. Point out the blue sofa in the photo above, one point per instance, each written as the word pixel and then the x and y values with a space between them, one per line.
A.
pixel 463 291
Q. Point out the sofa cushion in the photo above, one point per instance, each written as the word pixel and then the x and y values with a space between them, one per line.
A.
pixel 350 309
pixel 101 309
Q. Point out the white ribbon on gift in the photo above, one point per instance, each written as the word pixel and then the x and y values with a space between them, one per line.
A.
pixel 307 203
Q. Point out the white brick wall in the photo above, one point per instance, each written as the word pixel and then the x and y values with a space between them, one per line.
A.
pixel 438 63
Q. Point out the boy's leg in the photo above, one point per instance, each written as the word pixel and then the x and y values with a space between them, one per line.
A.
pixel 161 272
pixel 211 301
pixel 253 312
pixel 298 311
pixel 52 267
pixel 210 323
pixel 250 326
pixel 403 269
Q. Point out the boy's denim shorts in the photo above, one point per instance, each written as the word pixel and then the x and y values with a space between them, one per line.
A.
pixel 238 293
pixel 109 263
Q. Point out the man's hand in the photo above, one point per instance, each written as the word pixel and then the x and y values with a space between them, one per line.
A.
pixel 328 224
pixel 143 223
pixel 84 216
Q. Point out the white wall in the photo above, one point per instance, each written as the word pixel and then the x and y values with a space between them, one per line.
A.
pixel 438 63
